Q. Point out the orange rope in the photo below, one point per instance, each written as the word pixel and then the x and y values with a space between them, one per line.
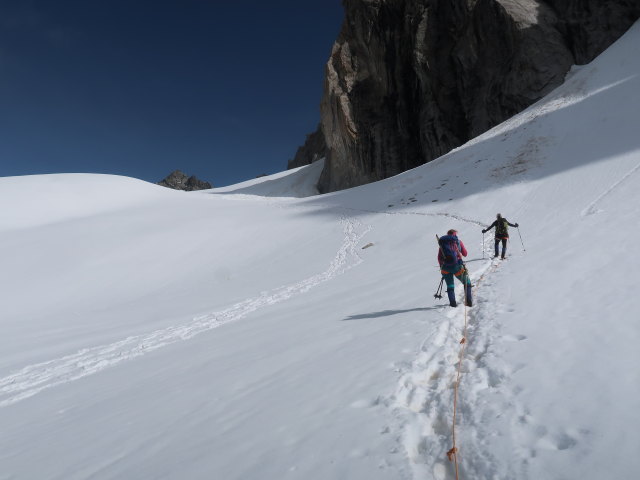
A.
pixel 452 454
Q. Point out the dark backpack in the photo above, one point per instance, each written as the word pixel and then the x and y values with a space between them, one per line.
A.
pixel 450 247
pixel 501 227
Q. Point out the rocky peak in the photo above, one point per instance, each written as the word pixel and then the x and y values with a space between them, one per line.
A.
pixel 180 181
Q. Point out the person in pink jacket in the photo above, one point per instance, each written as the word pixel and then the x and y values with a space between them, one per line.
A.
pixel 462 252
pixel 450 256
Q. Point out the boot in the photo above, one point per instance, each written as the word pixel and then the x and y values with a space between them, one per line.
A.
pixel 468 296
pixel 452 297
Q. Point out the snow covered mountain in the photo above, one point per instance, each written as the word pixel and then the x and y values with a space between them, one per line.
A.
pixel 157 334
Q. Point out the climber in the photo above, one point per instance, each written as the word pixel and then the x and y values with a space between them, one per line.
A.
pixel 450 256
pixel 502 233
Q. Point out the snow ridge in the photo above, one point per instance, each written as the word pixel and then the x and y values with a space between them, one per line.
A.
pixel 33 379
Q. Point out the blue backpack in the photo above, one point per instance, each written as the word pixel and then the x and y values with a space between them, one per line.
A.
pixel 450 246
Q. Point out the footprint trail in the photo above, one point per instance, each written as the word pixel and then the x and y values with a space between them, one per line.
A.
pixel 33 379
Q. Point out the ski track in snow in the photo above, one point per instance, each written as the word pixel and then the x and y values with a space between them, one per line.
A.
pixel 33 379
pixel 592 208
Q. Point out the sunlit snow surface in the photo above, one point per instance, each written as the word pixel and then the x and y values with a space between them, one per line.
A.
pixel 243 333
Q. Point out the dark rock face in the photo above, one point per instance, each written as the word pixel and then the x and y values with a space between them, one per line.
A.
pixel 179 181
pixel 314 148
pixel 408 80
pixel 590 26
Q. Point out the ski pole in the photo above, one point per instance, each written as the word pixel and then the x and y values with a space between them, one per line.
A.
pixel 439 290
pixel 523 249
pixel 483 245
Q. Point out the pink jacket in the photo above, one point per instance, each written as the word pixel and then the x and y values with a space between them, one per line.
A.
pixel 463 251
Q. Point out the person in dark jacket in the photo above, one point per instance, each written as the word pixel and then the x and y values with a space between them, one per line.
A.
pixel 450 256
pixel 502 233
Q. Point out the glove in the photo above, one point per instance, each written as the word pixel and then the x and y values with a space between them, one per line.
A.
pixel 517 225
pixel 484 231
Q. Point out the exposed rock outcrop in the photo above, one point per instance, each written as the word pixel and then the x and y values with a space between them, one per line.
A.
pixel 408 80
pixel 180 181
pixel 314 148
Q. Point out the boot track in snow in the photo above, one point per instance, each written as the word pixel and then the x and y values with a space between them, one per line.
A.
pixel 423 400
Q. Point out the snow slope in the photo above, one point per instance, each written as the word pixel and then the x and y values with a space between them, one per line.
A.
pixel 155 334
pixel 298 182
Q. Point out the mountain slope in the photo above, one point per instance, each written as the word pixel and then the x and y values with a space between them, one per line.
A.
pixel 159 334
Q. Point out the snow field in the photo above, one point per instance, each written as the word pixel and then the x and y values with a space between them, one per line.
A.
pixel 35 378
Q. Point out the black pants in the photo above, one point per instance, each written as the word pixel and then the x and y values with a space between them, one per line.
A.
pixel 504 245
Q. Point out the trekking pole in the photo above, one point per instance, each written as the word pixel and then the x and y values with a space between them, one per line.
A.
pixel 523 249
pixel 439 290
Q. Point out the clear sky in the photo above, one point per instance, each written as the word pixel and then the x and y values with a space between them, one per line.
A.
pixel 224 90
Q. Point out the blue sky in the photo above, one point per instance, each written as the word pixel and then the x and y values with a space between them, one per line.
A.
pixel 221 90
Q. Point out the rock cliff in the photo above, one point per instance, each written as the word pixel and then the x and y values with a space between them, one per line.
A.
pixel 408 80
pixel 314 148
